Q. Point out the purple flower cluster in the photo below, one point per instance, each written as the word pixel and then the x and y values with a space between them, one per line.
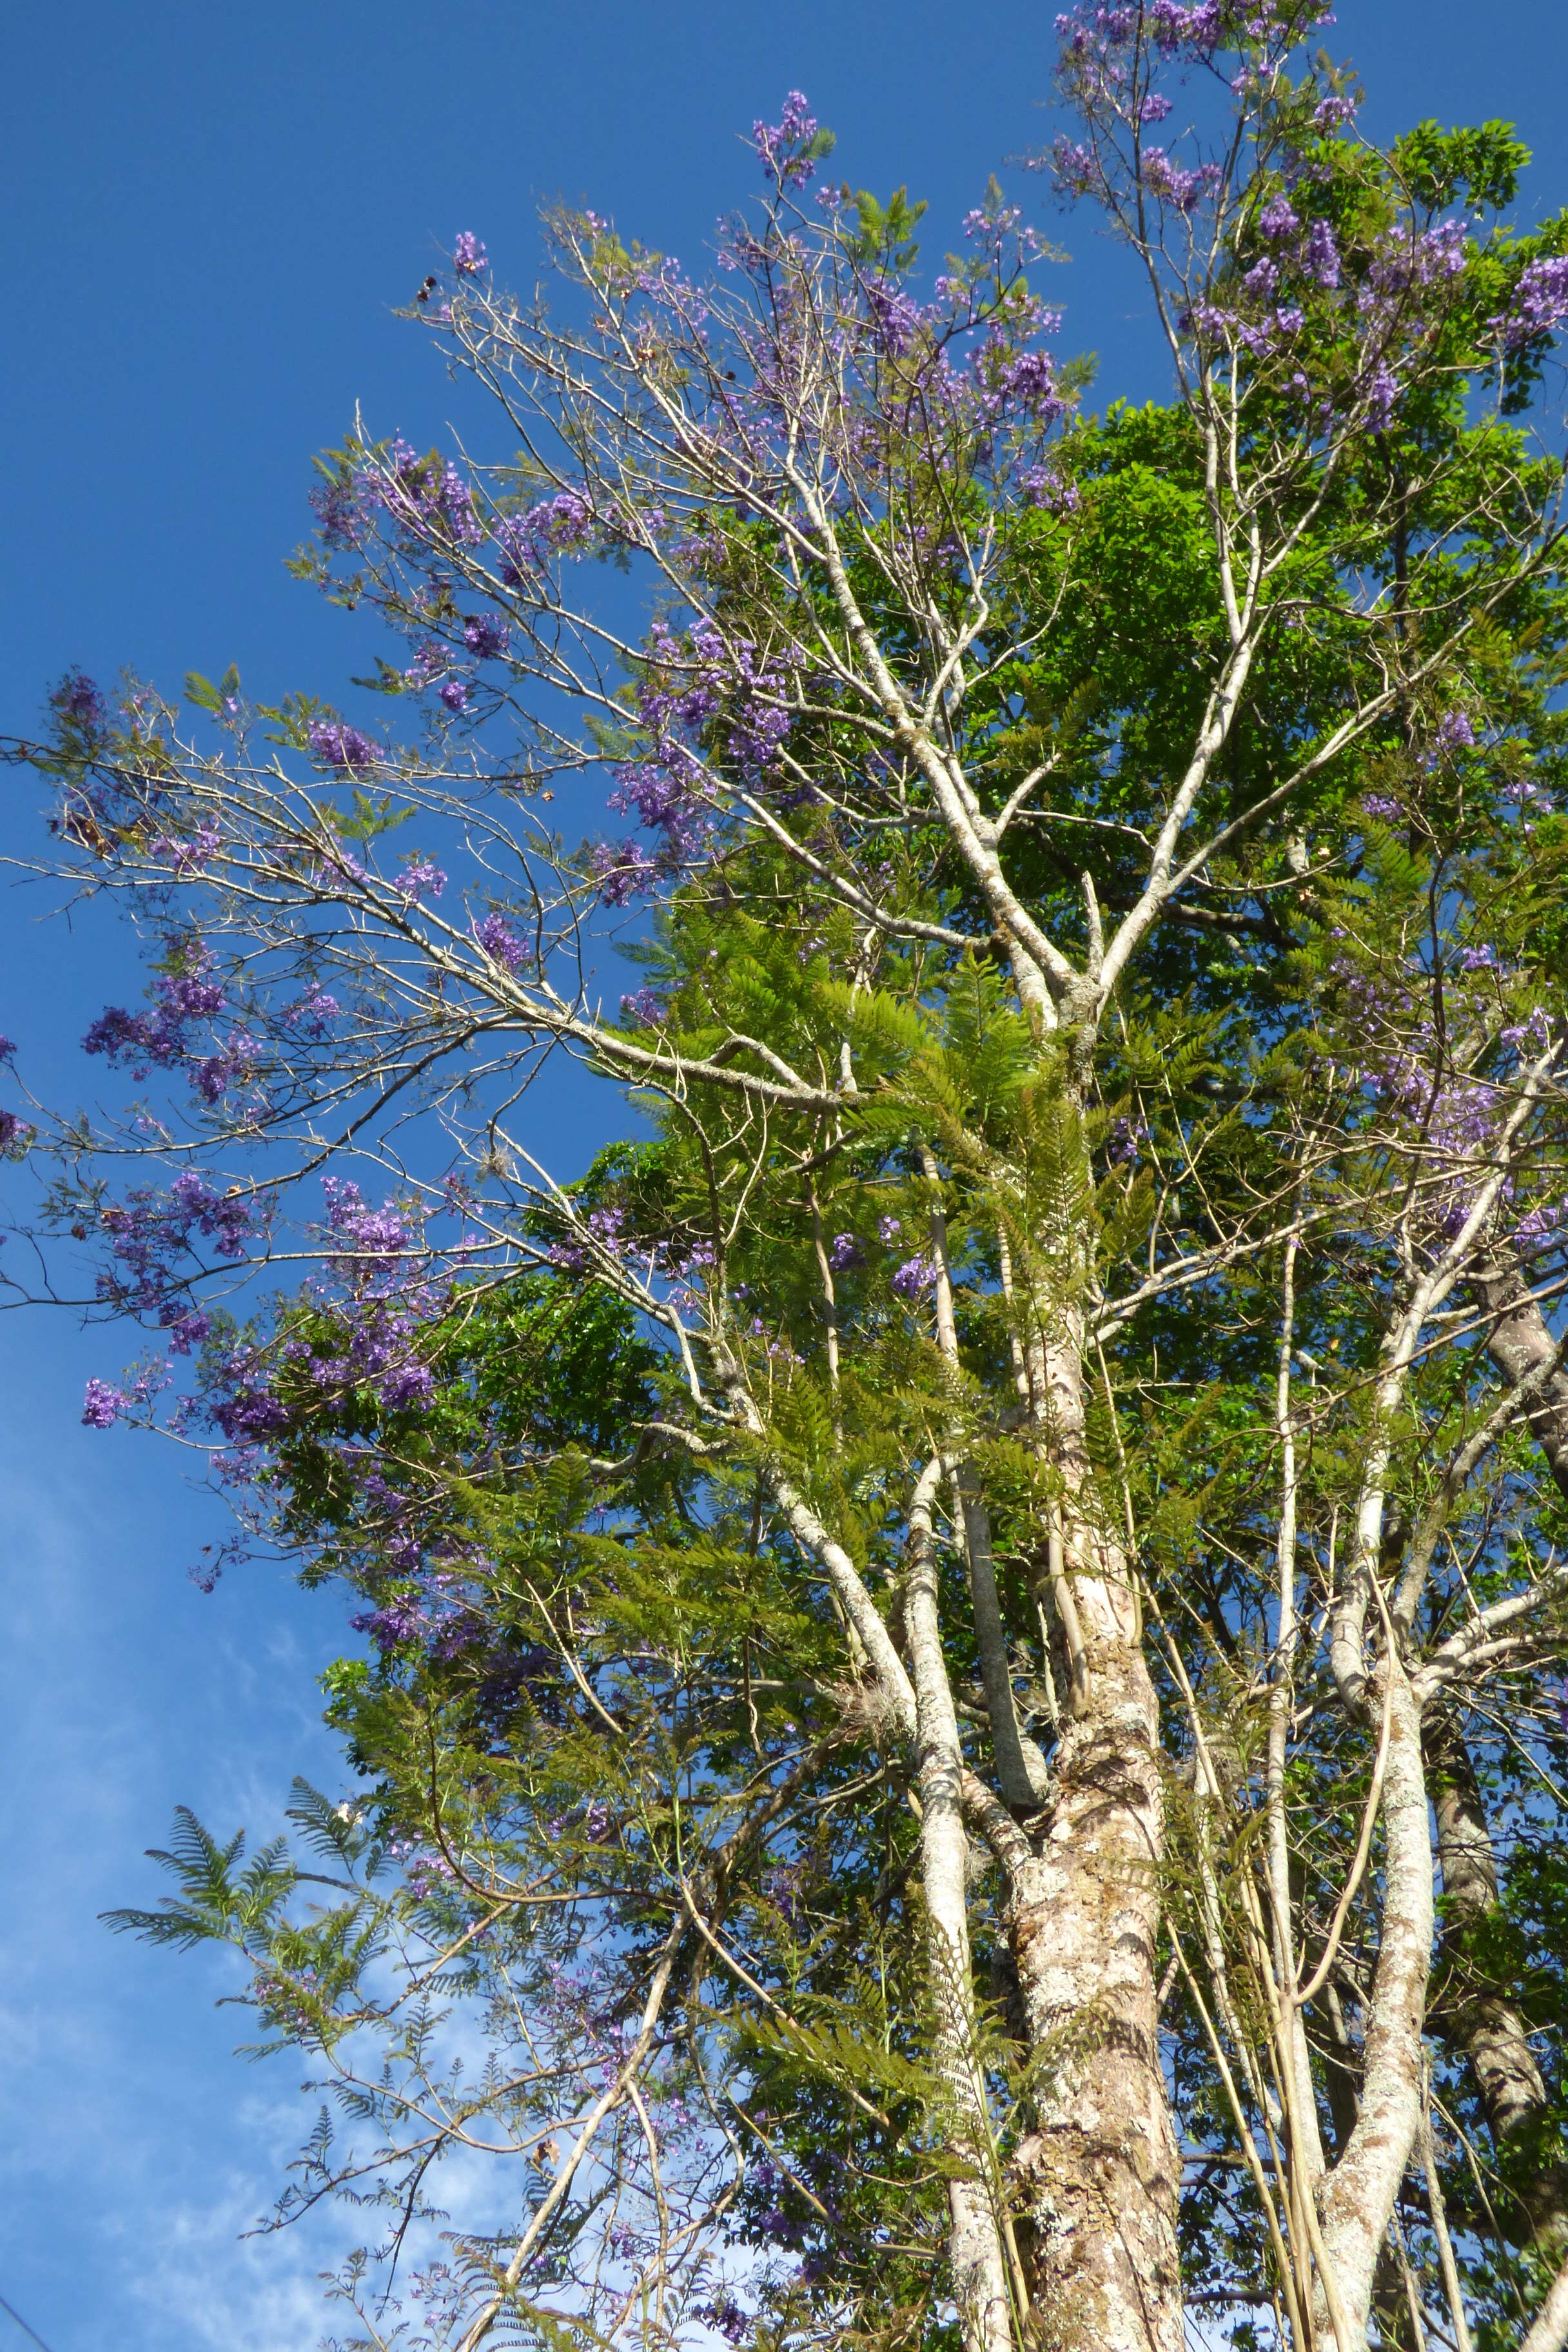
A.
pixel 499 942
pixel 621 871
pixel 102 1405
pixel 187 996
pixel 642 1009
pixel 153 1236
pixel 785 146
pixel 469 256
pixel 420 880
pixel 564 525
pixel 845 1252
pixel 429 502
pixel 916 1275
pixel 485 636
pixel 340 746
pixel 708 702
pixel 1449 1120
pixel 1174 186
pixel 1540 303
pixel 312 1014
pixel 187 856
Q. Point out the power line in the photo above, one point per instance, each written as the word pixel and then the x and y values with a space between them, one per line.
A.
pixel 22 2324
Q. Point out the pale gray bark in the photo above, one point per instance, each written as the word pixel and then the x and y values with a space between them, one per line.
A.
pixel 1549 2330
pixel 1356 2199
pixel 1101 2170
pixel 975 2241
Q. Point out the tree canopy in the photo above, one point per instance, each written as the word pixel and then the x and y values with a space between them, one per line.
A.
pixel 962 1738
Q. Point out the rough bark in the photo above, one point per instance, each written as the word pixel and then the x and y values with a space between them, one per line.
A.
pixel 1490 2033
pixel 1101 2170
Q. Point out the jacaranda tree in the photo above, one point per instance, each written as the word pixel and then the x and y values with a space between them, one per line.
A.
pixel 928 1618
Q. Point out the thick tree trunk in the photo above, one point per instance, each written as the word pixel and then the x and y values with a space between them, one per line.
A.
pixel 1491 2034
pixel 1101 2170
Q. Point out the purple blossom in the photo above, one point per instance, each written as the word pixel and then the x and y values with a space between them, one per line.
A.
pixel 237 1060
pixel 1077 169
pixel 726 2316
pixel 7 1047
pixel 1195 30
pixel 311 1013
pixel 373 1235
pixel 102 1405
pixel 485 636
pixel 338 745
pixel 1322 259
pixel 1278 220
pixel 1166 180
pixel 421 880
pixel 188 857
pixel 915 1275
pixel 784 146
pixel 469 256
pixel 561 525
pixel 845 1252
pixel 622 870
pixel 499 942
pixel 184 994
pixel 888 1231
pixel 1056 493
pixel 1539 302
pixel 1541 1226
pixel 1381 392
pixel 154 1233
pixel 642 1009
pixel 1442 252
pixel 428 499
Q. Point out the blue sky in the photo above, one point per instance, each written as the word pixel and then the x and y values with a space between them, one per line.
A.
pixel 211 211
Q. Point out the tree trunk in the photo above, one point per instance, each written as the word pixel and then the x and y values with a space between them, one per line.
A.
pixel 1491 2034
pixel 1101 2171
